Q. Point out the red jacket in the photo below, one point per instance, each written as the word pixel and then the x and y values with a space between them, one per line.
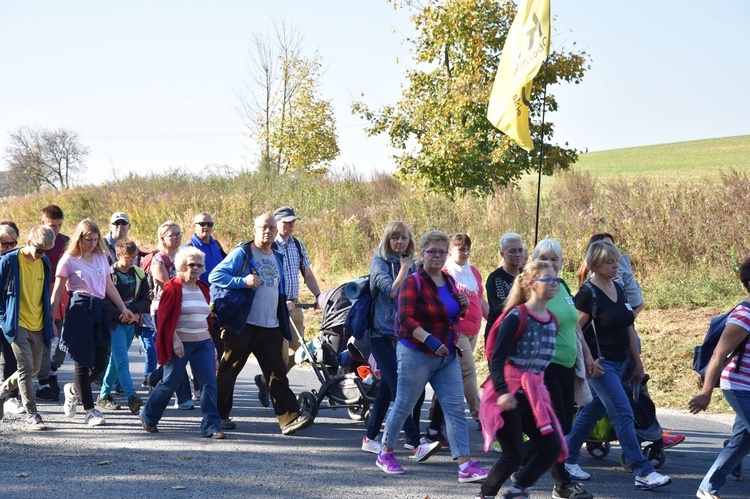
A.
pixel 170 307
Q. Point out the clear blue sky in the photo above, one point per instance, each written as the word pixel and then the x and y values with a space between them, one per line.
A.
pixel 152 84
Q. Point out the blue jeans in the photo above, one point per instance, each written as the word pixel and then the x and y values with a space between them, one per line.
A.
pixel 149 347
pixel 119 362
pixel 737 448
pixel 385 356
pixel 201 355
pixel 610 399
pixel 415 370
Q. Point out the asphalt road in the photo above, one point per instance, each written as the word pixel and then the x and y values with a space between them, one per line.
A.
pixel 122 460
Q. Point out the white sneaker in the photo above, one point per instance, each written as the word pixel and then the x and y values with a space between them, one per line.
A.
pixel 425 449
pixel 71 400
pixel 706 495
pixel 95 418
pixel 652 481
pixel 34 423
pixel 372 446
pixel 14 406
pixel 576 473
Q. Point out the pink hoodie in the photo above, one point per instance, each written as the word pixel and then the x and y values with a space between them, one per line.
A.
pixel 490 414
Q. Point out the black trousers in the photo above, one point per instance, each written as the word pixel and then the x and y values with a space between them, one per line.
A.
pixel 517 422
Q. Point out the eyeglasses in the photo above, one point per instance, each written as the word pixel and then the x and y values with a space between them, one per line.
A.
pixel 195 265
pixel 435 252
pixel 549 280
pixel 39 251
pixel 173 236
pixel 9 244
pixel 205 224
pixel 119 222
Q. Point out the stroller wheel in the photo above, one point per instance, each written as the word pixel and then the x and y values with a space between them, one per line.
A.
pixel 656 456
pixel 597 450
pixel 624 463
pixel 358 413
pixel 308 402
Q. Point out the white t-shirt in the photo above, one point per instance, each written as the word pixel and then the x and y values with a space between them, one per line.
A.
pixel 84 277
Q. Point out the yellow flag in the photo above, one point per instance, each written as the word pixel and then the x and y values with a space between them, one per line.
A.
pixel 526 47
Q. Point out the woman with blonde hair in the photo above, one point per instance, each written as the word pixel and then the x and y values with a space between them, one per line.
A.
pixel 162 270
pixel 392 263
pixel 83 272
pixel 606 317
pixel 515 401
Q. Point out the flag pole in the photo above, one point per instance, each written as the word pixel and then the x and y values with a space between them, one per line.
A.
pixel 541 157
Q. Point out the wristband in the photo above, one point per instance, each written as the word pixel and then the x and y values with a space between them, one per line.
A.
pixel 432 343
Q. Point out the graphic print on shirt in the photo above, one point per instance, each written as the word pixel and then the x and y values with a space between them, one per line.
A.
pixel 268 272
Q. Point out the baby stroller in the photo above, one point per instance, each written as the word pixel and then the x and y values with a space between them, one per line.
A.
pixel 341 390
pixel 647 428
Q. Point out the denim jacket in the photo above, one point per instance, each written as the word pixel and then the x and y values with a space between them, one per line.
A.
pixel 382 274
pixel 231 273
pixel 10 284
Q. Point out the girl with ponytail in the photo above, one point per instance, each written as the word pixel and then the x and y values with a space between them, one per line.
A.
pixel 515 400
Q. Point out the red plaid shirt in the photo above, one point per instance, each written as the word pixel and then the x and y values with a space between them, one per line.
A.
pixel 425 310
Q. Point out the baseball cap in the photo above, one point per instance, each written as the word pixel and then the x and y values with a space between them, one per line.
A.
pixel 119 216
pixel 285 214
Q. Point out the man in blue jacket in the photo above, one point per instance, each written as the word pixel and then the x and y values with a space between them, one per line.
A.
pixel 259 326
pixel 25 316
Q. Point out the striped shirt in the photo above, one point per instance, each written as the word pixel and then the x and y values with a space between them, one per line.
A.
pixel 192 325
pixel 731 380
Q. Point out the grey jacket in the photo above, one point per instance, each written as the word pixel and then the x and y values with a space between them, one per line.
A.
pixel 382 274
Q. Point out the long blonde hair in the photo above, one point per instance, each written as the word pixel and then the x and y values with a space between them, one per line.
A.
pixel 85 227
pixel 521 290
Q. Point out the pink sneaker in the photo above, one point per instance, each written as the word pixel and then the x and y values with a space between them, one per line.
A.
pixel 387 462
pixel 672 439
pixel 472 473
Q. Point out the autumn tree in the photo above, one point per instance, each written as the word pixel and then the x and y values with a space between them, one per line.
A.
pixel 440 128
pixel 293 125
pixel 39 158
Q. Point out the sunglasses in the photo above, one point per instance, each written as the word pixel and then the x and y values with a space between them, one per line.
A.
pixel 39 251
pixel 9 244
pixel 549 280
pixel 205 224
pixel 195 265
pixel 119 222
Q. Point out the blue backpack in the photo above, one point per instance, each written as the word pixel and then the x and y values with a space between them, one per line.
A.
pixel 703 352
pixel 359 320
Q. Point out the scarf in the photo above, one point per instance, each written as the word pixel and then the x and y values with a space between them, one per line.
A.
pixel 466 282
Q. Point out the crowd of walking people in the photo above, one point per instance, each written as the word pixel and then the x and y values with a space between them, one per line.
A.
pixel 550 351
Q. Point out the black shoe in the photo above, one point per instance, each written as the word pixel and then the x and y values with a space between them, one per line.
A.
pixel 302 421
pixel 264 396
pixel 135 403
pixel 108 403
pixel 54 386
pixel 47 393
pixel 228 424
pixel 149 428
pixel 571 491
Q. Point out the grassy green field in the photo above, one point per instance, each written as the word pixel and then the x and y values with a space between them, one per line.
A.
pixel 681 160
